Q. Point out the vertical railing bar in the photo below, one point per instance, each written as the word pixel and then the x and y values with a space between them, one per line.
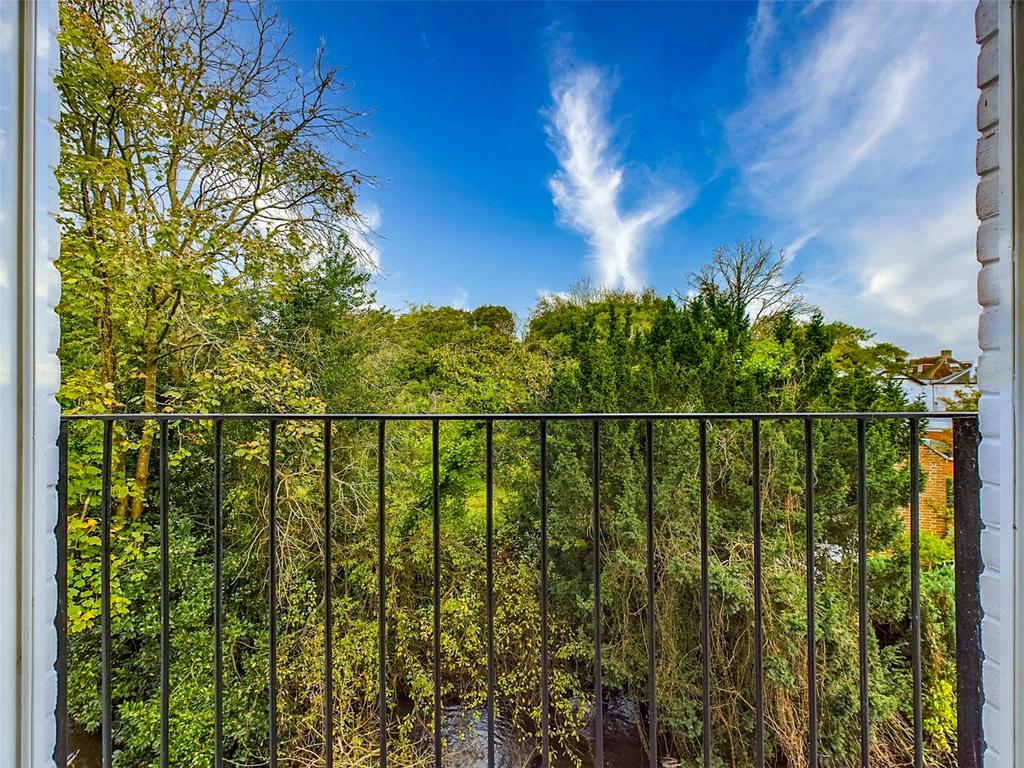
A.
pixel 967 523
pixel 328 607
pixel 652 698
pixel 755 428
pixel 811 544
pixel 165 606
pixel 915 588
pixel 598 681
pixel 544 691
pixel 490 591
pixel 218 594
pixel 60 752
pixel 705 602
pixel 272 593
pixel 105 649
pixel 436 426
pixel 862 588
pixel 382 649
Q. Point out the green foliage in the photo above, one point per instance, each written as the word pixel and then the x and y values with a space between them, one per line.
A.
pixel 611 353
pixel 179 297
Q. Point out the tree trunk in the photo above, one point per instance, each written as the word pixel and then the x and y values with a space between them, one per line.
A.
pixel 108 367
pixel 148 429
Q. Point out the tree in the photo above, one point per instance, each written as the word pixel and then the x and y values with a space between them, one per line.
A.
pixel 498 319
pixel 852 348
pixel 208 266
pixel 198 162
pixel 963 399
pixel 749 278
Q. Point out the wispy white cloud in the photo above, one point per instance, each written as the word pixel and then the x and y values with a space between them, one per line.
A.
pixel 793 249
pixel 588 187
pixel 863 134
pixel 428 49
pixel 910 280
pixel 547 295
pixel 763 29
pixel 460 298
pixel 365 236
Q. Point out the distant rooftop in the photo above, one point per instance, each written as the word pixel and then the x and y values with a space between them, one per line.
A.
pixel 942 367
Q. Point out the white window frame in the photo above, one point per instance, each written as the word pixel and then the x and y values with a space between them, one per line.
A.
pixel 29 378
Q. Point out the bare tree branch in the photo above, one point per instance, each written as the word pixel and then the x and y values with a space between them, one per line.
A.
pixel 751 278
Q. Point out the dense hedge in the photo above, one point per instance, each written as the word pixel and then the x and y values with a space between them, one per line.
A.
pixel 600 353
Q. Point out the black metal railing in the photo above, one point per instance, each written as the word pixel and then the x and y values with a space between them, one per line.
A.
pixel 967 553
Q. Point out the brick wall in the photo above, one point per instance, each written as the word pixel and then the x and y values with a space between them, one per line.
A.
pixel 937 463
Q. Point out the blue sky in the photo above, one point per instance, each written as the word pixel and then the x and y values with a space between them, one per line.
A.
pixel 523 147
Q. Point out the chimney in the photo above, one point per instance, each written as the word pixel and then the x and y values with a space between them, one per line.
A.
pixel 946 353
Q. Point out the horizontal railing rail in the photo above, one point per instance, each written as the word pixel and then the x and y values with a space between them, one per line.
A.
pixel 676 416
pixel 967 536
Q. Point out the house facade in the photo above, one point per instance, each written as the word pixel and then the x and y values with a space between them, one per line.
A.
pixel 937 380
pixel 935 456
